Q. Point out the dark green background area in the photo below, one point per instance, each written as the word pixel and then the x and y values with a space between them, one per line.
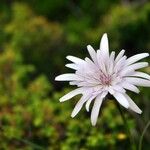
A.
pixel 35 38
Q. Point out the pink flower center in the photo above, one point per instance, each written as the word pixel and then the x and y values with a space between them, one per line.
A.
pixel 105 79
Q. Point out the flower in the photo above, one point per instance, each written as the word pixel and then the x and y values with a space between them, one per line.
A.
pixel 102 74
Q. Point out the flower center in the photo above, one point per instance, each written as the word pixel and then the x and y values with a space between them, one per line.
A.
pixel 105 79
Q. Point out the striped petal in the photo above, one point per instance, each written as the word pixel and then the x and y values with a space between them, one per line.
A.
pixel 133 67
pixel 130 87
pixel 136 58
pixel 142 75
pixel 138 81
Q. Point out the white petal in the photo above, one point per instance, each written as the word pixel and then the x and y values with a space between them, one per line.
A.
pixel 95 109
pixel 119 56
pixel 112 56
pixel 136 58
pixel 75 59
pixel 118 89
pixel 79 105
pixel 87 106
pixel 132 105
pixel 142 75
pixel 121 99
pixel 92 53
pixel 119 64
pixel 72 66
pixel 128 70
pixel 73 82
pixel 138 81
pixel 111 90
pixel 130 87
pixel 71 94
pixel 67 77
pixel 104 47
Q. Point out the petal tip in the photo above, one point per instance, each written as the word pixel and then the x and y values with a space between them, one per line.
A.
pixel 57 78
pixel 89 46
pixel 72 115
pixel 93 124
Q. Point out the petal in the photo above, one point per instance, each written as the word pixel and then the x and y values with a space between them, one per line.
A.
pixel 67 77
pixel 142 75
pixel 104 47
pixel 128 70
pixel 75 59
pixel 79 105
pixel 132 105
pixel 101 62
pixel 136 58
pixel 121 99
pixel 130 87
pixel 95 109
pixel 71 94
pixel 138 81
pixel 92 53
pixel 120 63
pixel 87 106
pixel 119 56
pixel 118 88
pixel 72 66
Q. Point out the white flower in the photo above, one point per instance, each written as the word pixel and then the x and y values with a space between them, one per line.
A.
pixel 103 74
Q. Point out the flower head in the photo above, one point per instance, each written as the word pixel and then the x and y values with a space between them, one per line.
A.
pixel 102 74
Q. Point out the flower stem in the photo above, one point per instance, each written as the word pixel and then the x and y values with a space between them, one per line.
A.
pixel 141 138
pixel 126 127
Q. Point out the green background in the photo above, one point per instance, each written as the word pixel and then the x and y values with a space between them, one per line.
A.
pixel 35 38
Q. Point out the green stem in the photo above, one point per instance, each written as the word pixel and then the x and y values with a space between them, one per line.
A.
pixel 142 136
pixel 126 126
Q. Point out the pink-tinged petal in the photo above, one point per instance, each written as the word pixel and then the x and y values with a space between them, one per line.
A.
pixel 75 59
pixel 67 77
pixel 138 81
pixel 79 105
pixel 90 64
pixel 129 70
pixel 72 94
pixel 132 105
pixel 95 109
pixel 121 99
pixel 72 66
pixel 120 64
pixel 101 62
pixel 136 58
pixel 110 63
pixel 104 47
pixel 92 53
pixel 141 74
pixel 130 87
pixel 120 55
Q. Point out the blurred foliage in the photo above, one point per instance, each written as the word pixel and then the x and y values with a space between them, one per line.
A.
pixel 35 37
